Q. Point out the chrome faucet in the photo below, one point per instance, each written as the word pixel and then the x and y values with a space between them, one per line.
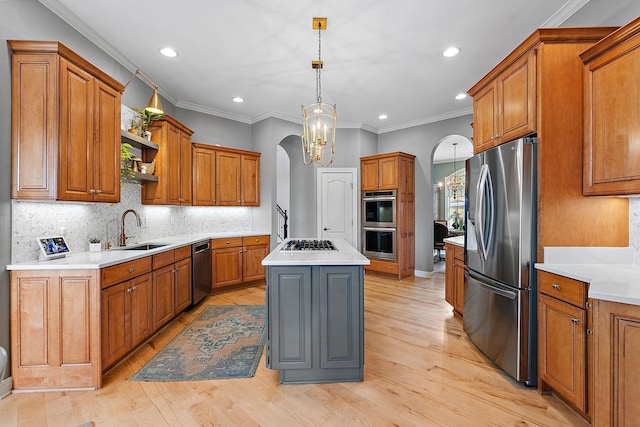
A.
pixel 123 237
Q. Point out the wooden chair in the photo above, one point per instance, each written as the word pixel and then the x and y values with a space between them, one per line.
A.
pixel 440 232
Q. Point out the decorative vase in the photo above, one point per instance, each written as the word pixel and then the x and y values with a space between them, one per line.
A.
pixel 94 247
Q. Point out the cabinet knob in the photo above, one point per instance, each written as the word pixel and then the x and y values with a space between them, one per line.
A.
pixel 135 288
pixel 128 290
pixel 131 270
pixel 575 321
pixel 92 191
pixel 98 191
pixel 228 242
pixel 257 240
pixel 589 332
pixel 556 286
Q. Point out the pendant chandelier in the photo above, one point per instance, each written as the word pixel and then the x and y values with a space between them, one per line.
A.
pixel 455 184
pixel 318 119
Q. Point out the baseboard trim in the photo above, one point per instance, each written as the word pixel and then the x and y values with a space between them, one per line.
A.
pixel 420 273
pixel 5 387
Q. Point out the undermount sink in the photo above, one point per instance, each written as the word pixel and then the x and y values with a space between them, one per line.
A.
pixel 142 247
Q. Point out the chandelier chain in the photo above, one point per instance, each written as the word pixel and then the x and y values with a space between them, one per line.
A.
pixel 318 80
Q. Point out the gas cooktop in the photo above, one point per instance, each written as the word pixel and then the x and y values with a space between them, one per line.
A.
pixel 308 245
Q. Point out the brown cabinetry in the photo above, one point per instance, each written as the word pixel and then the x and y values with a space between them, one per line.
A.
pixel 237 261
pixel 172 164
pixel 65 126
pixel 611 131
pixel 454 277
pixel 171 284
pixel 544 68
pixel 616 361
pixel 55 329
pixel 225 176
pixel 562 338
pixel 505 106
pixel 394 171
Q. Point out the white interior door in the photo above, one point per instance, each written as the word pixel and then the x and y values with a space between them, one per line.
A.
pixel 337 204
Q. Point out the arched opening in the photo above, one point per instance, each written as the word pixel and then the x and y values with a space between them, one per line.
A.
pixel 448 177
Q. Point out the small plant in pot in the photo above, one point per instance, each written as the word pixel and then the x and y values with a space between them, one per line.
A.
pixel 146 117
pixel 94 244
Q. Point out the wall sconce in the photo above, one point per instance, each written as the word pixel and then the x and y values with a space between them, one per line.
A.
pixel 154 105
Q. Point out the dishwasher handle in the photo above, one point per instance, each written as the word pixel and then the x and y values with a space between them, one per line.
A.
pixel 201 248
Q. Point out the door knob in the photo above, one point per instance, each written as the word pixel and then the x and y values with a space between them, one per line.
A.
pixel 325 229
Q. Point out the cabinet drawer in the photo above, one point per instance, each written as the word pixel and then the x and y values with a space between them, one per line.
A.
pixel 226 242
pixel 382 266
pixel 125 271
pixel 255 240
pixel 565 289
pixel 458 252
pixel 163 258
pixel 182 253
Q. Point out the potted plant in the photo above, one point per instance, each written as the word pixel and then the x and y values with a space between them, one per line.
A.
pixel 146 117
pixel 94 244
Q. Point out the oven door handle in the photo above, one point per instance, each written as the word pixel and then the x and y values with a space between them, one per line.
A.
pixel 379 228
pixel 378 199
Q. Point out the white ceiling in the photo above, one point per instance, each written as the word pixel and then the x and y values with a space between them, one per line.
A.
pixel 379 56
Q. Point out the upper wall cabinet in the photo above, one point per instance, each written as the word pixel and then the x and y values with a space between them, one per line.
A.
pixel 172 164
pixel 65 126
pixel 379 172
pixel 504 108
pixel 225 176
pixel 612 114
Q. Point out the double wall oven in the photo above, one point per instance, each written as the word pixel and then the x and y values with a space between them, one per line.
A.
pixel 379 224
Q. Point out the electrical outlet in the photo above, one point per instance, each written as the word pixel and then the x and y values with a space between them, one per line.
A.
pixel 62 226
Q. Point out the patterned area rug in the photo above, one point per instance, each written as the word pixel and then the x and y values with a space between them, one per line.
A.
pixel 224 341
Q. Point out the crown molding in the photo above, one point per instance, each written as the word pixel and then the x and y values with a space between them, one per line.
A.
pixel 427 120
pixel 565 12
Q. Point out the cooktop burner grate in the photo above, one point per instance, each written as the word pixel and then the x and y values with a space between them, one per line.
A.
pixel 308 245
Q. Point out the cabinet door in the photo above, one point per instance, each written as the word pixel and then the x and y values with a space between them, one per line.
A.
pixel 34 126
pixel 289 318
pixel 612 134
pixel 485 118
pixel 106 146
pixel 228 179
pixel 171 172
pixel 184 166
pixel 562 349
pixel 517 99
pixel 227 267
pixel 76 133
pixel 183 284
pixel 459 286
pixel 250 167
pixel 252 268
pixel 141 312
pixel 116 334
pixel 369 173
pixel 204 177
pixel 341 317
pixel 449 276
pixel 163 295
pixel 388 173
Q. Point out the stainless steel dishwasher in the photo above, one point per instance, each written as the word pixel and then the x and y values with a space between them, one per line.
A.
pixel 201 270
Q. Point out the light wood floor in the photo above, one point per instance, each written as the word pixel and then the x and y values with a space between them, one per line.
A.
pixel 420 370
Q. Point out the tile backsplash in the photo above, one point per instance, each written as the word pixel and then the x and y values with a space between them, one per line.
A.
pixel 79 221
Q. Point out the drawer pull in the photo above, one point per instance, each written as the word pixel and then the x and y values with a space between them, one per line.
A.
pixel 575 321
pixel 589 332
pixel 128 290
pixel 556 286
pixel 257 240
pixel 131 270
pixel 228 242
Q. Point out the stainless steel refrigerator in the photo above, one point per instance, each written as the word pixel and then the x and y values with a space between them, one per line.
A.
pixel 500 313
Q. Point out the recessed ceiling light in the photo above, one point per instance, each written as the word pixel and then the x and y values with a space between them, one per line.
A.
pixel 167 51
pixel 238 99
pixel 382 116
pixel 451 51
pixel 461 96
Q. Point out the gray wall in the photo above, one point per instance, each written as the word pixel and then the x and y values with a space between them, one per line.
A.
pixel 421 141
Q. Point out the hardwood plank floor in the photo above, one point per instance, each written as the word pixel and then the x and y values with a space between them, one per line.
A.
pixel 420 370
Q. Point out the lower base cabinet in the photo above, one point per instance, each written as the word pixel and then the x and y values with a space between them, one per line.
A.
pixel 237 261
pixel 454 277
pixel 616 362
pixel 315 323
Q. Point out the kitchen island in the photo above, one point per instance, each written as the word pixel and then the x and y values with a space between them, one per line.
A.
pixel 315 311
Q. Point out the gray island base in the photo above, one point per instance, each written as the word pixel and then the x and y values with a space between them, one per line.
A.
pixel 315 314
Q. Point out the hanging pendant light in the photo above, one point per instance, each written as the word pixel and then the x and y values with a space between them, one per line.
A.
pixel 318 119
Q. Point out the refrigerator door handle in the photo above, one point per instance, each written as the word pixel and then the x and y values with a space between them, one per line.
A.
pixel 492 285
pixel 484 211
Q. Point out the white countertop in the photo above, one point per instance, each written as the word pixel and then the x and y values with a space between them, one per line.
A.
pixel 457 240
pixel 610 272
pixel 97 260
pixel 345 255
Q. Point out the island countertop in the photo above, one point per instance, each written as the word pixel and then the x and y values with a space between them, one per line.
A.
pixel 344 255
